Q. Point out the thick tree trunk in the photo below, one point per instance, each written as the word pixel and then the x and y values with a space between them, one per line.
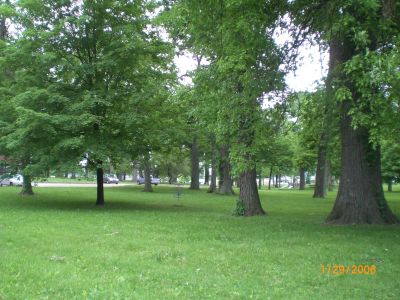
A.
pixel 26 186
pixel 194 177
pixel 100 186
pixel 147 175
pixel 302 183
pixel 360 199
pixel 249 193
pixel 226 186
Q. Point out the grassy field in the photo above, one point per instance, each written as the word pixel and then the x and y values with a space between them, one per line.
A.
pixel 58 245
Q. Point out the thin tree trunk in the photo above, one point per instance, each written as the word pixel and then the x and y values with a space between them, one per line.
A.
pixel 259 179
pixel 276 180
pixel 206 174
pixel 147 175
pixel 134 174
pixel 27 189
pixel 320 189
pixel 3 29
pixel 100 186
pixel 270 178
pixel 194 178
pixel 226 186
pixel 249 193
pixel 279 180
pixel 213 184
pixel 302 184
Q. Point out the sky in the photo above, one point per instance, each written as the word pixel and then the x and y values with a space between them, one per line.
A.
pixel 312 67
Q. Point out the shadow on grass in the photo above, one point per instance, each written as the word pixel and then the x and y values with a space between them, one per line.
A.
pixel 89 205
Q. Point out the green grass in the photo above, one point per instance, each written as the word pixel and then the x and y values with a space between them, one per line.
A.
pixel 67 180
pixel 58 245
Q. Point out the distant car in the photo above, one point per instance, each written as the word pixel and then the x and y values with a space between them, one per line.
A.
pixel 11 180
pixel 154 180
pixel 110 179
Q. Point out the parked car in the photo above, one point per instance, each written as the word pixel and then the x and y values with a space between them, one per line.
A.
pixel 110 179
pixel 10 180
pixel 154 180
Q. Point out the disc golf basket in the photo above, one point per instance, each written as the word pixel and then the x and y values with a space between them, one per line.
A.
pixel 178 194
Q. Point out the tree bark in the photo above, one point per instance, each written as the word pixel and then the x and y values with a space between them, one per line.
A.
pixel 27 189
pixel 147 175
pixel 100 186
pixel 321 188
pixel 249 193
pixel 270 178
pixel 360 199
pixel 259 180
pixel 206 174
pixel 390 185
pixel 213 183
pixel 134 174
pixel 194 178
pixel 302 183
pixel 3 29
pixel 226 186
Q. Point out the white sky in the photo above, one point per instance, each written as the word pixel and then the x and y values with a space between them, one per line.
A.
pixel 312 66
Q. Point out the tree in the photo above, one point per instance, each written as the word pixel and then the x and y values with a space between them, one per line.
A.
pixel 95 60
pixel 359 35
pixel 236 37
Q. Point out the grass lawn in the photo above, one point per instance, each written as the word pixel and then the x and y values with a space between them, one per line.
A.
pixel 58 245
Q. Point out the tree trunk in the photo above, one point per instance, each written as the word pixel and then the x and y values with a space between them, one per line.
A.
pixel 100 186
pixel 206 174
pixel 276 180
pixel 226 186
pixel 360 199
pixel 302 184
pixel 259 180
pixel 390 185
pixel 194 178
pixel 134 174
pixel 321 188
pixel 270 178
pixel 147 175
pixel 279 180
pixel 26 186
pixel 213 184
pixel 3 29
pixel 249 193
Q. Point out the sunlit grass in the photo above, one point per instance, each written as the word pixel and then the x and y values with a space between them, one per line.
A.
pixel 58 245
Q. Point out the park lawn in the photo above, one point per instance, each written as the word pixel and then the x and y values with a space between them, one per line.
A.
pixel 58 245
